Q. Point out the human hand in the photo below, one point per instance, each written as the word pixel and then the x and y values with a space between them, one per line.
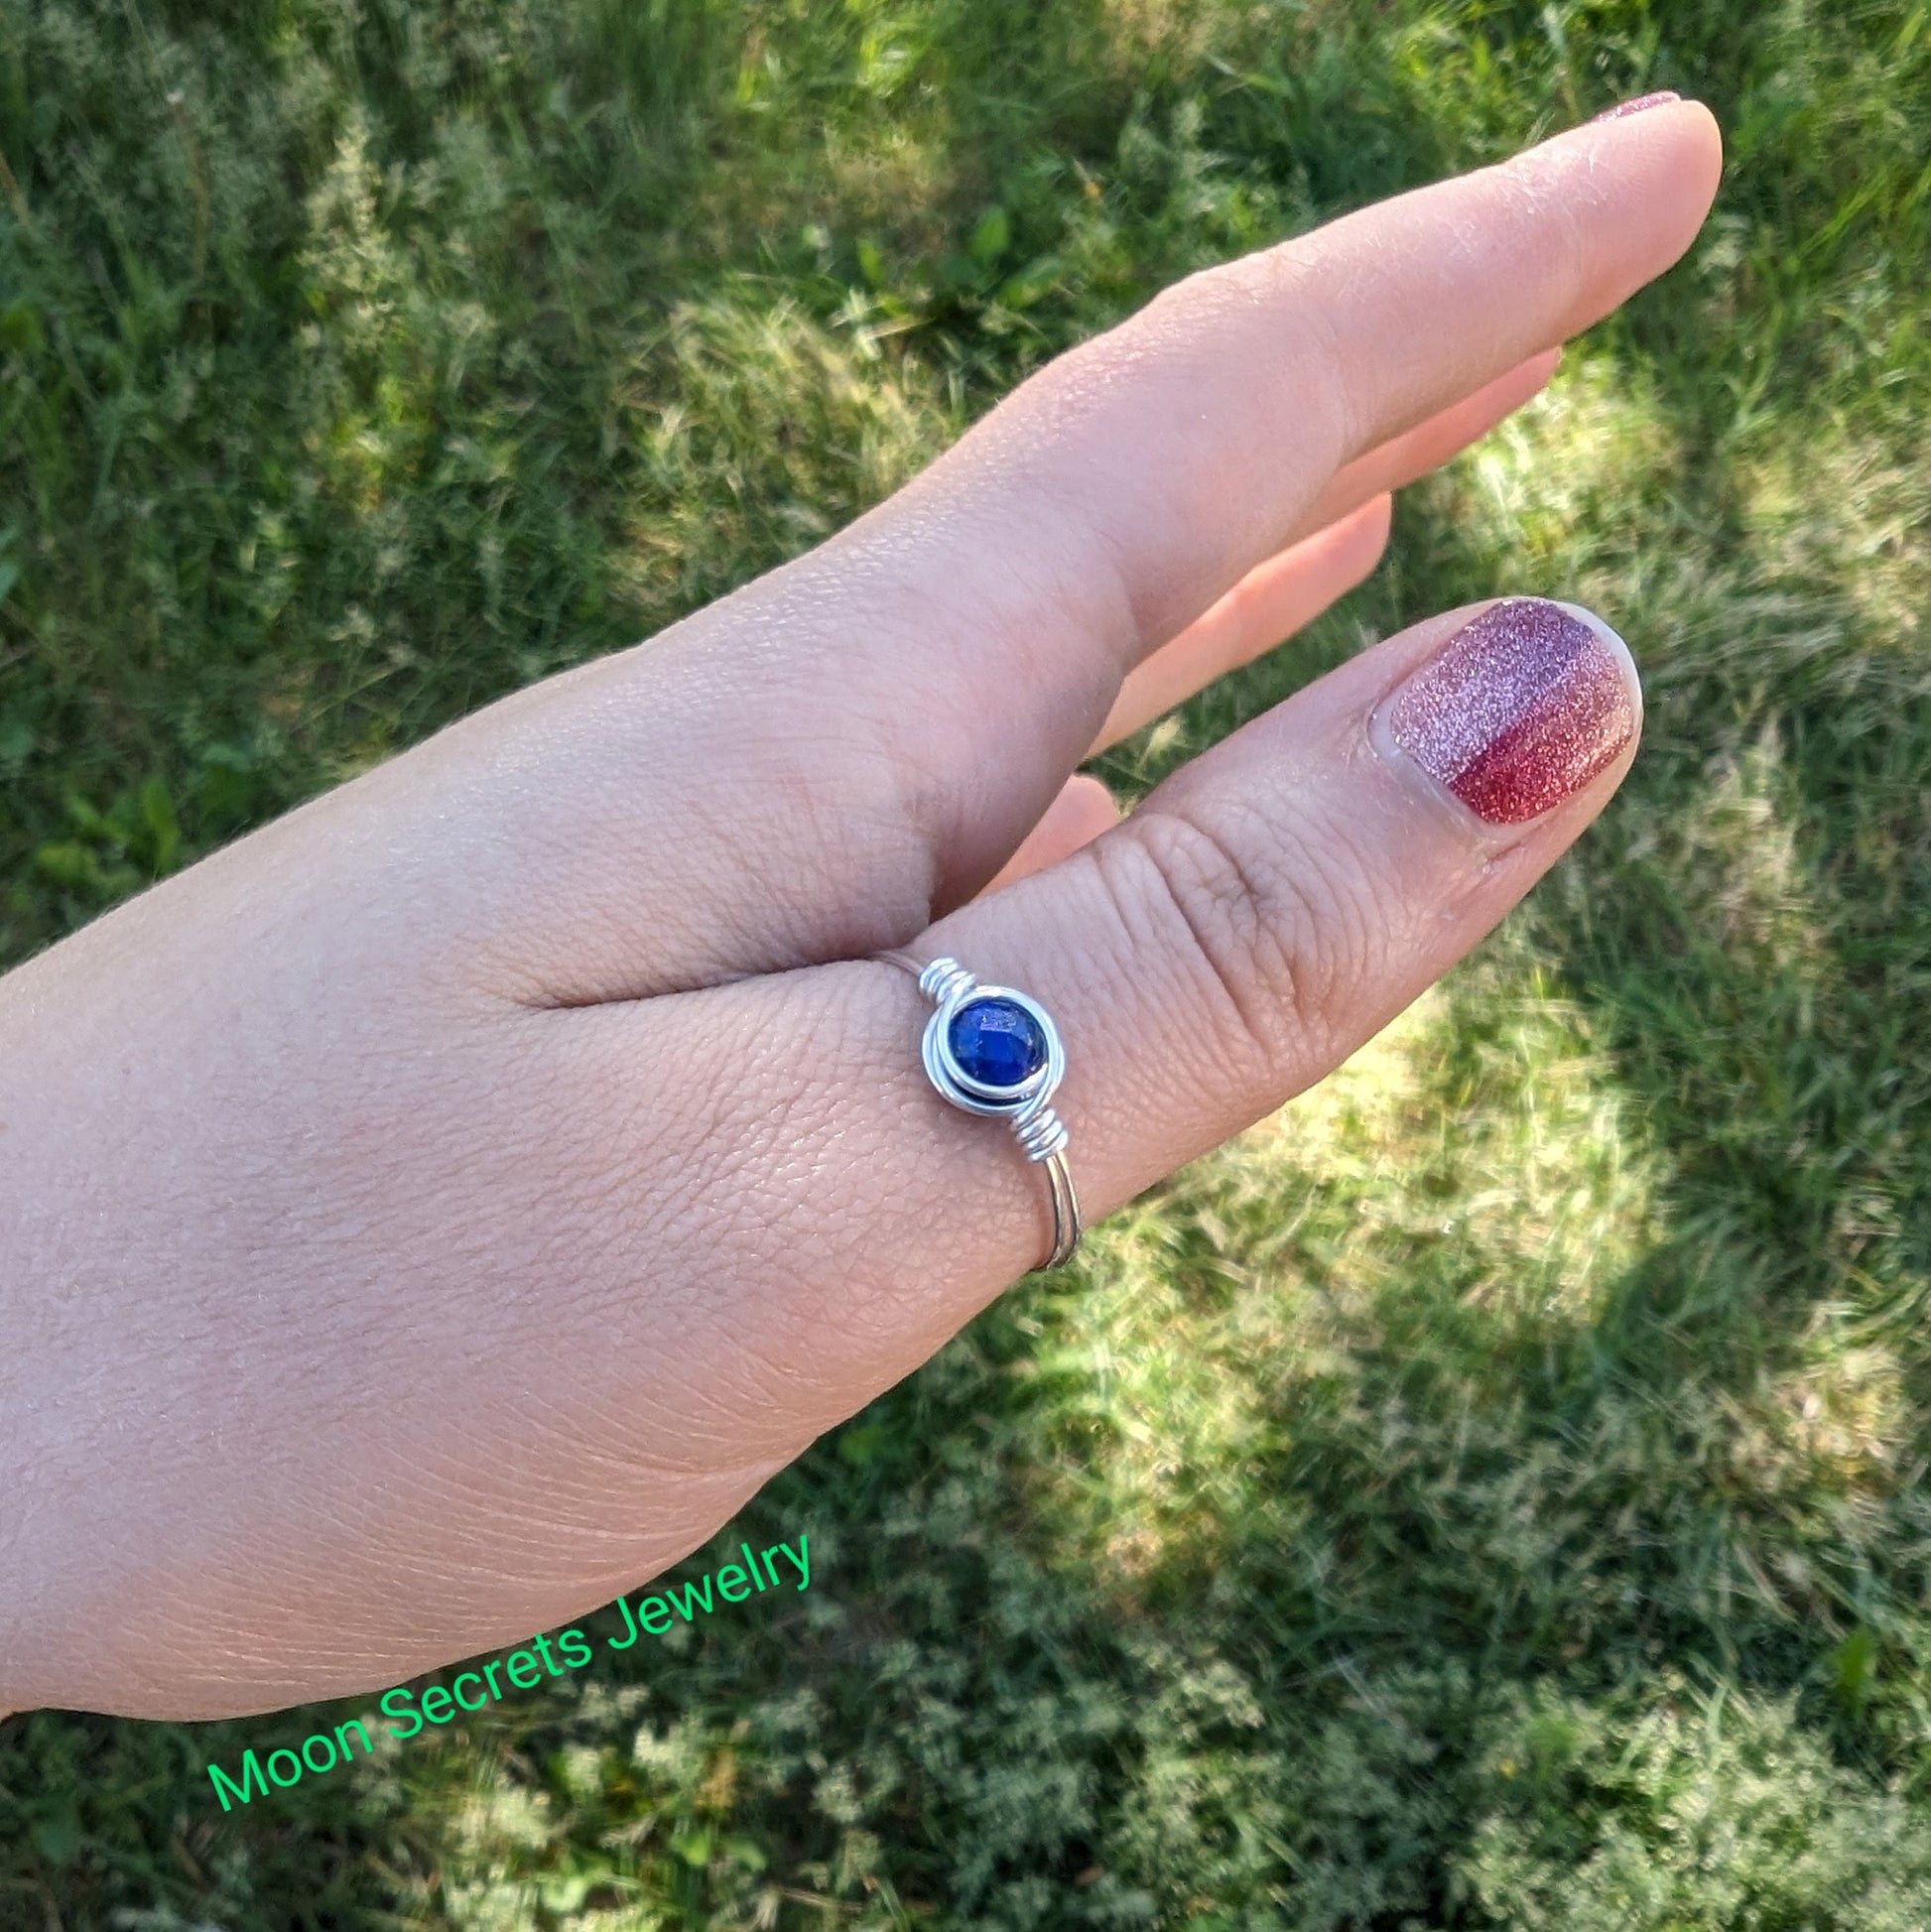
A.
pixel 439 1211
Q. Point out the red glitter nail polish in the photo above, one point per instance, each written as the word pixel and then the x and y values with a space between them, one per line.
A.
pixel 1661 98
pixel 1518 711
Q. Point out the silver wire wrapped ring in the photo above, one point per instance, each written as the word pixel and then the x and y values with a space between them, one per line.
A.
pixel 993 1049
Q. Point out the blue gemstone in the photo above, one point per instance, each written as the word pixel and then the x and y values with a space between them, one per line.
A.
pixel 996 1042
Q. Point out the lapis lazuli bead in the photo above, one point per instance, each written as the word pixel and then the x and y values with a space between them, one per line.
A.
pixel 996 1042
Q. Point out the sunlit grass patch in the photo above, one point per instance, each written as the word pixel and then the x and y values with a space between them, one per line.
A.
pixel 1472 1193
pixel 1552 481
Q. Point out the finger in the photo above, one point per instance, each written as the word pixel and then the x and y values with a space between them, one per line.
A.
pixel 1083 809
pixel 912 696
pixel 1177 451
pixel 1262 913
pixel 1278 901
pixel 1402 458
pixel 1272 601
pixel 1275 599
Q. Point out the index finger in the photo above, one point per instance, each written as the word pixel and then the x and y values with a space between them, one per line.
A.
pixel 930 677
pixel 1182 448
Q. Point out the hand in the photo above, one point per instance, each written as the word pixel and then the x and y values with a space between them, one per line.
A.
pixel 434 1214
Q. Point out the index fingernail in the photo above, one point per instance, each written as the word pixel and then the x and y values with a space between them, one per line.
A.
pixel 1661 98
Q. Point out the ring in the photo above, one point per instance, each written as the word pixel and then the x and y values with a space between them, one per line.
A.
pixel 993 1049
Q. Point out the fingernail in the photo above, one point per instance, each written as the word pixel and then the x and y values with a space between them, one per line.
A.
pixel 1519 709
pixel 1624 109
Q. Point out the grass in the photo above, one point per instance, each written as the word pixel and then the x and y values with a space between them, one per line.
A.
pixel 1491 1494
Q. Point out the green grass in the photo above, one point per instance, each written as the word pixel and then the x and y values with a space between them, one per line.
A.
pixel 1489 1495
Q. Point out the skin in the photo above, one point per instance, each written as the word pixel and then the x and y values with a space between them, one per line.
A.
pixel 436 1212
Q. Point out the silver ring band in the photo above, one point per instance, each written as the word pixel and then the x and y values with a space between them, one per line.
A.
pixel 995 1051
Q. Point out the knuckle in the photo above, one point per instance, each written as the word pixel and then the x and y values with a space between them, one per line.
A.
pixel 1276 928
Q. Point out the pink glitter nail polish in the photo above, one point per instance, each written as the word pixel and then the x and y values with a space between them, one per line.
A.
pixel 1661 98
pixel 1518 711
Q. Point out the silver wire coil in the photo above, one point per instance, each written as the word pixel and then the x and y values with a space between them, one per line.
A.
pixel 1028 1111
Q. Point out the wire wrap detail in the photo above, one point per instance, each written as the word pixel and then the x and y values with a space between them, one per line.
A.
pixel 1041 1133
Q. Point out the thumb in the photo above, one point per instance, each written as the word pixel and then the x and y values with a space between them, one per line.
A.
pixel 1278 901
pixel 1260 914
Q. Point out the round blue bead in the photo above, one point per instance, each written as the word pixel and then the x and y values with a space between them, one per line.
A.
pixel 997 1042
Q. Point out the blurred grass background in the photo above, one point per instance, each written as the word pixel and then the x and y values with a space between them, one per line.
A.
pixel 1491 1494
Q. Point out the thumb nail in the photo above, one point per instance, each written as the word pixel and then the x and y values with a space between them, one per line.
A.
pixel 1519 709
